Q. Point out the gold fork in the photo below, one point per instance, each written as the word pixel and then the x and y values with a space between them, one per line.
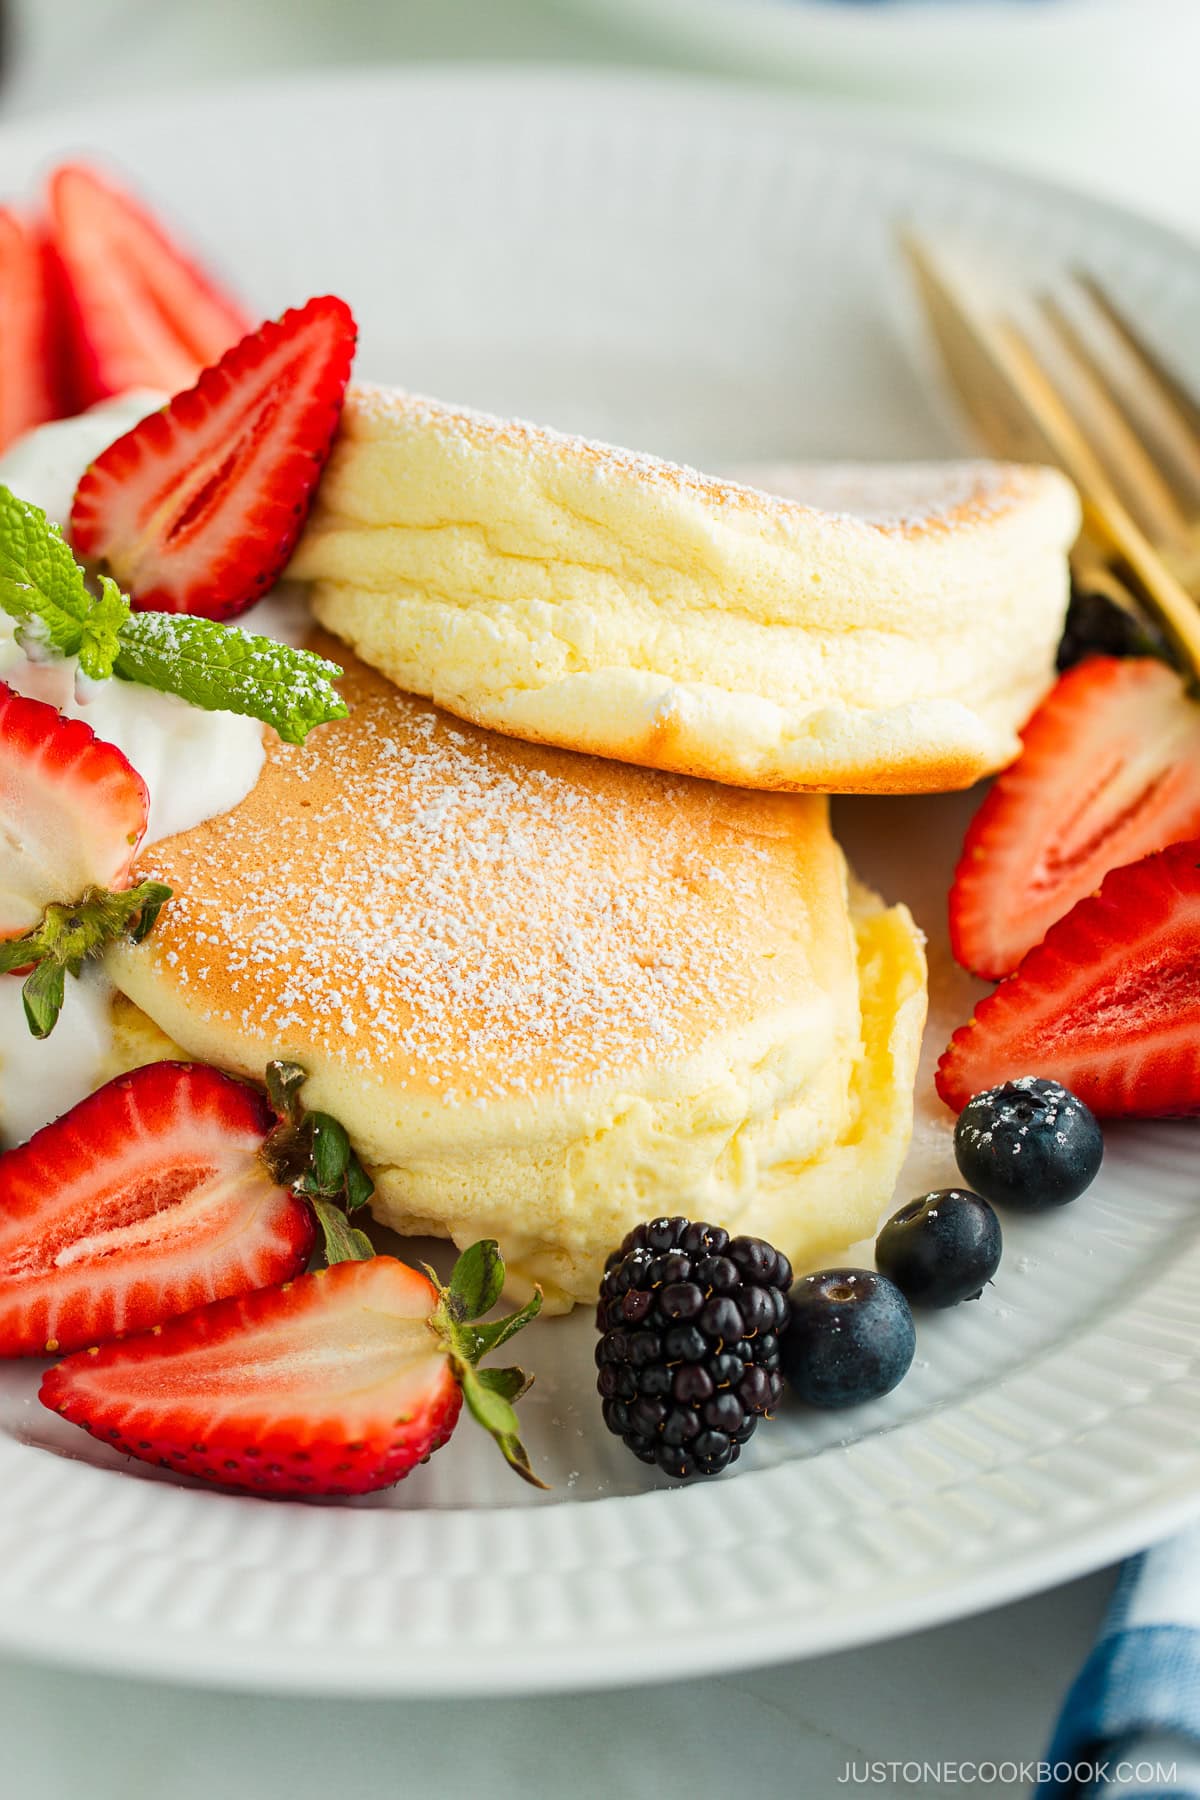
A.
pixel 1070 381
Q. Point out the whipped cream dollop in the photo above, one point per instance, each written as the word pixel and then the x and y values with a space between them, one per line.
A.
pixel 42 1077
pixel 44 466
pixel 196 764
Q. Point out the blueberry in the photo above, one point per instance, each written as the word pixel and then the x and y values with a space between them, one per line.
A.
pixel 941 1249
pixel 851 1337
pixel 1029 1144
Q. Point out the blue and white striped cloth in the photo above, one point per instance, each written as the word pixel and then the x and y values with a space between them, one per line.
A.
pixel 1130 1725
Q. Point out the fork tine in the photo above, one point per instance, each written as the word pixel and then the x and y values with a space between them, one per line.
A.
pixel 973 359
pixel 1173 391
pixel 1014 400
pixel 1165 415
pixel 1104 513
pixel 1154 502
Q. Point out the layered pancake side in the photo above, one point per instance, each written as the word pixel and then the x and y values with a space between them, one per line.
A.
pixel 871 630
pixel 547 995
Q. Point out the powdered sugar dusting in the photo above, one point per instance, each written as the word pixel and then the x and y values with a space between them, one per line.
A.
pixel 902 497
pixel 907 498
pixel 470 916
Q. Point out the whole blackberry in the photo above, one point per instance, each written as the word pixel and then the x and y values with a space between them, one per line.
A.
pixel 689 1356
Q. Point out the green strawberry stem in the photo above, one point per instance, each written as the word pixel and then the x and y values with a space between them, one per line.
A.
pixel 68 936
pixel 310 1153
pixel 475 1285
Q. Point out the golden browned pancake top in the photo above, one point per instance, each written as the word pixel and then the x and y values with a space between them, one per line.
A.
pixel 477 918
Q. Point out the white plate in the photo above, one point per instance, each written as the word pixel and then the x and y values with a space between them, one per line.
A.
pixel 708 274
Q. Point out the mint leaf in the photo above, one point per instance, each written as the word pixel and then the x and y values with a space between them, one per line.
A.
pixel 211 665
pixel 223 669
pixel 101 641
pixel 41 584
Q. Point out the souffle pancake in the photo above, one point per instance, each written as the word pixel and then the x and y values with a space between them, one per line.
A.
pixel 548 995
pixel 875 629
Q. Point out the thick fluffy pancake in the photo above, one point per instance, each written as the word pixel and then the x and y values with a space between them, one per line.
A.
pixel 890 634
pixel 547 995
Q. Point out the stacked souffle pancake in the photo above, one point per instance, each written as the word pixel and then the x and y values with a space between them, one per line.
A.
pixel 552 993
pixel 880 631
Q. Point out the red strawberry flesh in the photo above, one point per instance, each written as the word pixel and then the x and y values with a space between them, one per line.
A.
pixel 1108 1004
pixel 146 1200
pixel 199 507
pixel 333 1384
pixel 143 314
pixel 1110 771
pixel 73 811
pixel 30 378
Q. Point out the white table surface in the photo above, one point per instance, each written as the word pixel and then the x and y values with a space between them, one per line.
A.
pixel 984 1689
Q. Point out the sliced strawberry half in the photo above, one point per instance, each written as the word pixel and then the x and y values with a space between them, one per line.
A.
pixel 147 1199
pixel 142 314
pixel 30 373
pixel 1110 770
pixel 1108 1004
pixel 198 508
pixel 339 1383
pixel 73 811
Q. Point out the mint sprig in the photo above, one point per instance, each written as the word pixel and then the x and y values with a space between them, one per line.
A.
pixel 43 588
pixel 68 936
pixel 225 670
pixel 214 666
